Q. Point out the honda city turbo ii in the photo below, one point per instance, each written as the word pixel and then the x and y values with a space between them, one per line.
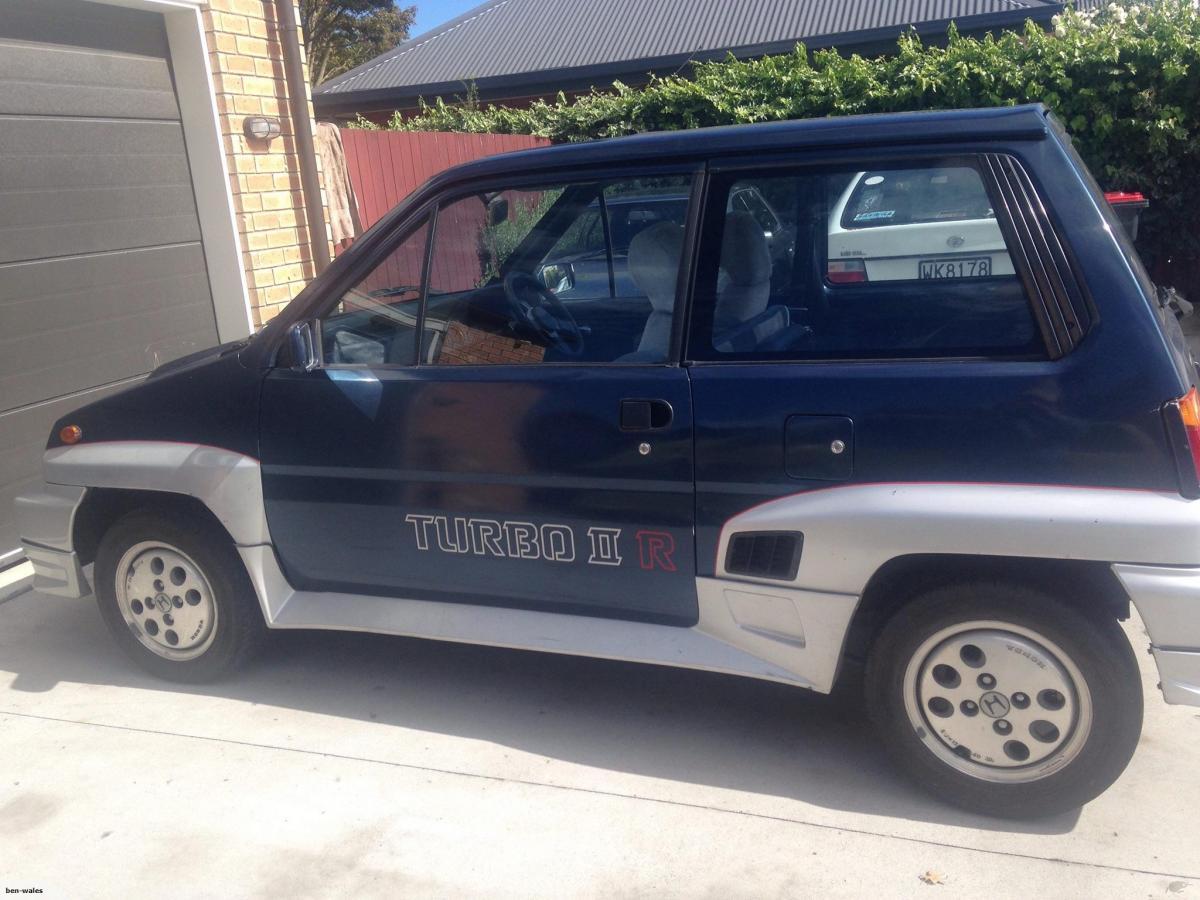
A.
pixel 961 470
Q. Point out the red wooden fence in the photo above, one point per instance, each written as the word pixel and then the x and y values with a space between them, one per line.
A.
pixel 386 166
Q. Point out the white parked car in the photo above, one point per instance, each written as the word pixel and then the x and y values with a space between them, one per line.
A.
pixel 915 224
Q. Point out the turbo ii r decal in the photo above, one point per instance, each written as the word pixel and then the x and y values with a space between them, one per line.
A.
pixel 550 542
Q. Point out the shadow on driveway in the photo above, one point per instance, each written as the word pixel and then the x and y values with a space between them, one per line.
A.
pixel 684 726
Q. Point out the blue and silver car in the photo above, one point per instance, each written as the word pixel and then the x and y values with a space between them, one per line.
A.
pixel 714 451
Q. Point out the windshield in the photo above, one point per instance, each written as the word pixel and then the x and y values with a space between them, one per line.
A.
pixel 913 196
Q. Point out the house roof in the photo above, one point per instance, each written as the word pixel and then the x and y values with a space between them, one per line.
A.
pixel 515 48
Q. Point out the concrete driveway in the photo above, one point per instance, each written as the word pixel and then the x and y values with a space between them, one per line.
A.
pixel 350 765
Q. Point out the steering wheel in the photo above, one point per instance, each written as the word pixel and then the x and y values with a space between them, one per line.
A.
pixel 539 308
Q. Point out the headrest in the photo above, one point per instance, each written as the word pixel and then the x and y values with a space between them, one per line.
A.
pixel 654 256
pixel 745 255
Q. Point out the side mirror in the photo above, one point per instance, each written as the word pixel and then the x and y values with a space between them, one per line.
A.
pixel 302 346
pixel 558 277
pixel 497 210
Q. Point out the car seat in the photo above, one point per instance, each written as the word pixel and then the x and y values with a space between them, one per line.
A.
pixel 743 320
pixel 654 255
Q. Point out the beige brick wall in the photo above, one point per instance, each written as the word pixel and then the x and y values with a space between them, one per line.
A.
pixel 248 74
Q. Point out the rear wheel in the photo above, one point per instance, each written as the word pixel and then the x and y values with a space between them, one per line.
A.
pixel 176 597
pixel 1003 699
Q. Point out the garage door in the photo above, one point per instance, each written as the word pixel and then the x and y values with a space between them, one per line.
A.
pixel 102 271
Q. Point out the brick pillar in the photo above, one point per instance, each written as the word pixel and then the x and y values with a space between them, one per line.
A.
pixel 248 74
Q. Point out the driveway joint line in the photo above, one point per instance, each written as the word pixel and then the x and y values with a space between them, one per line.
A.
pixel 602 793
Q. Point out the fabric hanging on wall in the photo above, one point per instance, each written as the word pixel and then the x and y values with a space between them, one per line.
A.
pixel 340 203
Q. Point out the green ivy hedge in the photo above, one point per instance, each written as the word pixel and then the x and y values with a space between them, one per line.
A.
pixel 1124 80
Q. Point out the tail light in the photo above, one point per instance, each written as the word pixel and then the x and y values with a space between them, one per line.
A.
pixel 1117 198
pixel 1183 423
pixel 1128 206
pixel 846 271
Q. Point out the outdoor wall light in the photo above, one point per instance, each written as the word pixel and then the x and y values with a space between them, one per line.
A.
pixel 260 128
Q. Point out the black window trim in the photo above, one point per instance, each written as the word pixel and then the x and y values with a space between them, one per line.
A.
pixel 1068 313
pixel 606 230
pixel 426 265
pixel 685 283
pixel 982 162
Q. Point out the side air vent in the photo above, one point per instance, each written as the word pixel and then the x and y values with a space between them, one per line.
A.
pixel 765 554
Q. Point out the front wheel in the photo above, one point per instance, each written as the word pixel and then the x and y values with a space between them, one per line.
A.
pixel 176 597
pixel 1005 700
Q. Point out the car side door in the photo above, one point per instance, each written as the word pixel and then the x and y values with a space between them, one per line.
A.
pixel 490 460
pixel 805 381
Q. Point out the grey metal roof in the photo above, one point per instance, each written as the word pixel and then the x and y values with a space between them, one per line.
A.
pixel 514 40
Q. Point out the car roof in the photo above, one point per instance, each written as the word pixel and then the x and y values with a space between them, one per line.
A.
pixel 1026 122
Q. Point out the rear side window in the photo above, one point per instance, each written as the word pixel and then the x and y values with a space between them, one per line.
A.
pixel 865 263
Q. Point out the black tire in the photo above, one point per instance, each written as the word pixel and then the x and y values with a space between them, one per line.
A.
pixel 1093 643
pixel 239 627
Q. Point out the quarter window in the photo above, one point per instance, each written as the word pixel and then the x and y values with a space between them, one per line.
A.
pixel 375 322
pixel 868 263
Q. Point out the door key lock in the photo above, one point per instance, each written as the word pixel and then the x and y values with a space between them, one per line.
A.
pixel 838 446
pixel 644 448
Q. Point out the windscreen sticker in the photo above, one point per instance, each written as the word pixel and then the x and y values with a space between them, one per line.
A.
pixel 876 215
pixel 549 542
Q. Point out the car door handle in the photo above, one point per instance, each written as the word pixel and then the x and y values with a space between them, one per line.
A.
pixel 645 415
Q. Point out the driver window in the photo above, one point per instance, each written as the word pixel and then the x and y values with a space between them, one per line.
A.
pixel 567 273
